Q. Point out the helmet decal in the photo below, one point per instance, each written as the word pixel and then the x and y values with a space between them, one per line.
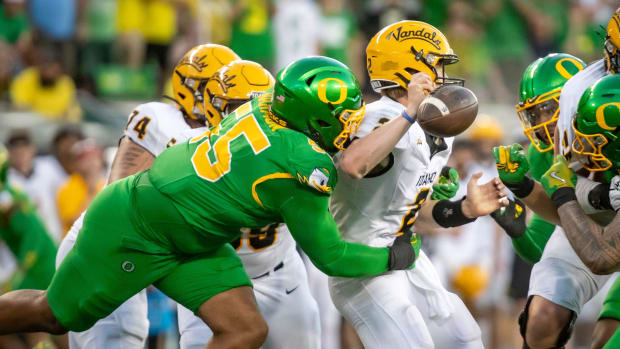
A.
pixel 322 91
pixel 600 116
pixel 561 69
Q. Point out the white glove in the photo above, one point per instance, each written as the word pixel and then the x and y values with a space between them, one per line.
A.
pixel 614 193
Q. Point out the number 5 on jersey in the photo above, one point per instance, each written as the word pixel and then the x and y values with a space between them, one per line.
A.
pixel 213 170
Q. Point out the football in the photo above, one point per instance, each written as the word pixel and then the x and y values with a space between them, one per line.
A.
pixel 448 111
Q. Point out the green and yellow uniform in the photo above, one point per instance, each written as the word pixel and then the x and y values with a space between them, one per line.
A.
pixel 171 225
pixel 25 235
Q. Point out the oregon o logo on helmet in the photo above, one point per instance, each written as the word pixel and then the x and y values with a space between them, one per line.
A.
pixel 563 72
pixel 322 91
pixel 600 115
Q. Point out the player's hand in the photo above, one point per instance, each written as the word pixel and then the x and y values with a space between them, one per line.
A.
pixel 402 253
pixel 511 163
pixel 419 87
pixel 559 175
pixel 447 185
pixel 483 199
pixel 511 218
pixel 614 193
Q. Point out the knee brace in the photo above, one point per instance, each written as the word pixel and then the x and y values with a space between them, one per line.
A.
pixel 564 335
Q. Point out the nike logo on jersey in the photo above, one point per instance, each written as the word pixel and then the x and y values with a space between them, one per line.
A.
pixel 291 291
pixel 554 174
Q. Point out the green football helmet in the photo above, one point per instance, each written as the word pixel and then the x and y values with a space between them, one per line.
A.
pixel 321 98
pixel 597 126
pixel 4 165
pixel 539 96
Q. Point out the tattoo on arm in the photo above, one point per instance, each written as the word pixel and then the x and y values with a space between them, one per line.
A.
pixel 597 246
pixel 131 158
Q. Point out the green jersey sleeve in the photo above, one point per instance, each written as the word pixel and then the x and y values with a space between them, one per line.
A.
pixel 311 165
pixel 305 211
pixel 539 162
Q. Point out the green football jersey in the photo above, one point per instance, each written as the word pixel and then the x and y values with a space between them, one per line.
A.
pixel 213 179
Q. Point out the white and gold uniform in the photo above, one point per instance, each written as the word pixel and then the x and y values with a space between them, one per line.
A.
pixel 405 308
pixel 560 276
pixel 281 290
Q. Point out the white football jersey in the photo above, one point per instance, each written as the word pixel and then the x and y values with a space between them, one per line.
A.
pixel 569 100
pixel 372 209
pixel 156 126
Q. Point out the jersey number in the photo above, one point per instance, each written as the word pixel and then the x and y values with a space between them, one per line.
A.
pixel 213 170
pixel 410 217
pixel 260 238
pixel 141 125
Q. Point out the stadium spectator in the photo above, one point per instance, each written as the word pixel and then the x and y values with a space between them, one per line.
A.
pixel 45 89
pixel 296 30
pixel 340 36
pixel 77 192
pixel 54 23
pixel 251 31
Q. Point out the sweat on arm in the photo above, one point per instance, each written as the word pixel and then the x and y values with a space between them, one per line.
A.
pixel 305 211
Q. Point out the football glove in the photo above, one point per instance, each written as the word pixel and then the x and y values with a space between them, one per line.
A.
pixel 512 167
pixel 447 185
pixel 402 254
pixel 511 218
pixel 558 176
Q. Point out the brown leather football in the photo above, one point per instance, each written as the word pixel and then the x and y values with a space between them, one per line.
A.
pixel 448 111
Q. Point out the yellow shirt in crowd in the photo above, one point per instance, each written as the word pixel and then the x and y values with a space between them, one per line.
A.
pixel 73 198
pixel 55 102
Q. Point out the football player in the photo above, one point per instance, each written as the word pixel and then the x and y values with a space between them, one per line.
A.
pixel 552 307
pixel 553 313
pixel 386 176
pixel 268 254
pixel 597 147
pixel 171 226
pixel 25 235
pixel 152 127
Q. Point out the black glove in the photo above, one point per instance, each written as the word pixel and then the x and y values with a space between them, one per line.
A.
pixel 402 254
pixel 511 218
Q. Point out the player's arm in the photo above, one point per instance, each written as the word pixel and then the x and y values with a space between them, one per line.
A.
pixel 130 158
pixel 364 153
pixel 481 200
pixel 531 244
pixel 306 214
pixel 597 246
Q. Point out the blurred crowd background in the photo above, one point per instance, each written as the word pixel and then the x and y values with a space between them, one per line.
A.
pixel 72 70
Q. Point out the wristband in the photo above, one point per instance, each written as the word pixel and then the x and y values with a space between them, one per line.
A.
pixel 521 189
pixel 563 195
pixel 450 214
pixel 407 117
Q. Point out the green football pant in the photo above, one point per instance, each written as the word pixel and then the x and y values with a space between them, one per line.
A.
pixel 113 259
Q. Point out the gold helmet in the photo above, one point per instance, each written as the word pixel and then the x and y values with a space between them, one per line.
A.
pixel 233 85
pixel 612 44
pixel 192 73
pixel 404 48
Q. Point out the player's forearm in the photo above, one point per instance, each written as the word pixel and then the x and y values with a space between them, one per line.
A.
pixel 365 153
pixel 541 204
pixel 598 247
pixel 353 260
pixel 130 158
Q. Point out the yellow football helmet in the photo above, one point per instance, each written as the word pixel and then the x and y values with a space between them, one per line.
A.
pixel 404 48
pixel 233 85
pixel 612 44
pixel 470 281
pixel 192 73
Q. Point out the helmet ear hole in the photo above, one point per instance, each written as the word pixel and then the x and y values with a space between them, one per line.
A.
pixel 181 95
pixel 323 123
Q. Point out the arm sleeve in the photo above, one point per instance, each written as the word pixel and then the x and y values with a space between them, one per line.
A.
pixel 531 245
pixel 305 211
